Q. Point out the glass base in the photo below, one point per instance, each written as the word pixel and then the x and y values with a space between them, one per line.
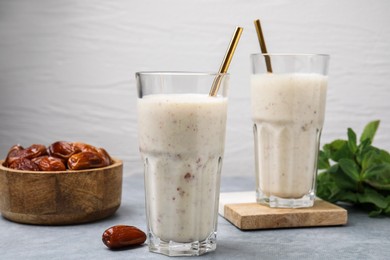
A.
pixel 172 248
pixel 272 201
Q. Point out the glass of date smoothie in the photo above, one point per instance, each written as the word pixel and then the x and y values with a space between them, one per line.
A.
pixel 181 132
pixel 288 94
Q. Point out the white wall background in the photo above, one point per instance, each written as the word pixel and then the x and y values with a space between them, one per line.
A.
pixel 67 67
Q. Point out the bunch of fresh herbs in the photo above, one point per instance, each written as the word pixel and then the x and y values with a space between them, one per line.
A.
pixel 357 173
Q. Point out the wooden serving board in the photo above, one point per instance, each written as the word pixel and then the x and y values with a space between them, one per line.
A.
pixel 241 209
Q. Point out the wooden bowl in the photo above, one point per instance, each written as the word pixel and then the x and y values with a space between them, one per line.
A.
pixel 59 198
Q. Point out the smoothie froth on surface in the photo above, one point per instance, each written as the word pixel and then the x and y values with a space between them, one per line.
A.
pixel 182 123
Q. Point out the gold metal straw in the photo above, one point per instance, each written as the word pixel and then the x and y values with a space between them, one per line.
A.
pixel 226 61
pixel 260 36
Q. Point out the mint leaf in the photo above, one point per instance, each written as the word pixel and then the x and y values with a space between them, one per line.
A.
pixel 369 158
pixel 362 149
pixel 378 176
pixel 348 197
pixel 384 156
pixel 342 180
pixel 374 156
pixel 327 188
pixel 375 213
pixel 323 161
pixel 338 149
pixel 358 173
pixel 372 196
pixel 351 169
pixel 352 140
pixel 369 131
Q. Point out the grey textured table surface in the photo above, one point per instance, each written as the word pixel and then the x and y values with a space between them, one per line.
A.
pixel 362 238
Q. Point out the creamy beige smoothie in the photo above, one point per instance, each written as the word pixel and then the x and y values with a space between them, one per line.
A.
pixel 181 139
pixel 288 114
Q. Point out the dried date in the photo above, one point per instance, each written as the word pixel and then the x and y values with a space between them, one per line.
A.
pixel 123 236
pixel 24 164
pixel 17 152
pixel 49 163
pixel 105 156
pixel 13 154
pixel 33 151
pixel 83 147
pixel 85 160
pixel 62 149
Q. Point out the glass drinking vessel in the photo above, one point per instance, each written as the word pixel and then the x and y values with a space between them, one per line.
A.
pixel 288 110
pixel 181 140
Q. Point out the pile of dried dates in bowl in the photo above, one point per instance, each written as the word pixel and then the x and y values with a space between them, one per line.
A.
pixel 59 156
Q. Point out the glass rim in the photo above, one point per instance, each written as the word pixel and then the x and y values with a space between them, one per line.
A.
pixel 292 54
pixel 180 73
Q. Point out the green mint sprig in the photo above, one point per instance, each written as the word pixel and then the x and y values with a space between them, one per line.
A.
pixel 357 173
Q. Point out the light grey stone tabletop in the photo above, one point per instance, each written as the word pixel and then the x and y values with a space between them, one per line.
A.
pixel 362 238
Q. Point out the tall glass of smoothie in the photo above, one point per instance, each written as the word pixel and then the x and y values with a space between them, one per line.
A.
pixel 181 140
pixel 288 109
